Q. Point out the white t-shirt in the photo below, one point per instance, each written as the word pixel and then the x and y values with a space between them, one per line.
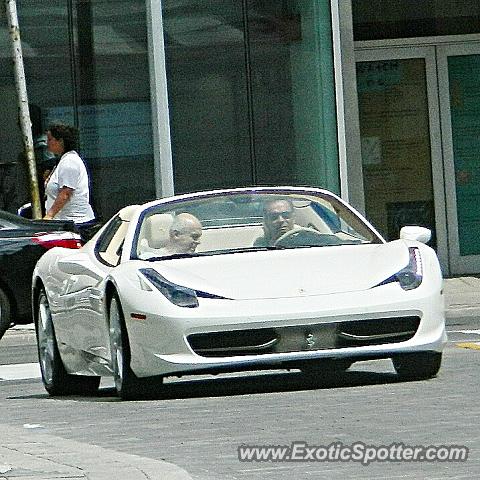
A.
pixel 70 172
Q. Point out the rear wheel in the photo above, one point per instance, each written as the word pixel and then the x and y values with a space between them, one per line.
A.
pixel 5 313
pixel 127 384
pixel 55 378
pixel 417 366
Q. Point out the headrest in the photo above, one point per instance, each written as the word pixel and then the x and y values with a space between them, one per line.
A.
pixel 157 229
pixel 126 213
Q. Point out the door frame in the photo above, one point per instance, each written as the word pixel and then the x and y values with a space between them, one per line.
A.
pixel 426 52
pixel 467 263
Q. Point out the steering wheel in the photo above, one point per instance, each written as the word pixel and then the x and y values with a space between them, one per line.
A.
pixel 300 236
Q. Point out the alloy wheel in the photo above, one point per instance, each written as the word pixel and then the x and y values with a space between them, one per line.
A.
pixel 46 340
pixel 116 343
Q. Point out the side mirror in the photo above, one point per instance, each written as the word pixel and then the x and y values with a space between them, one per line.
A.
pixel 420 234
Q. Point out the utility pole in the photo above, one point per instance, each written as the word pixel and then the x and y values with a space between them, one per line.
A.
pixel 24 113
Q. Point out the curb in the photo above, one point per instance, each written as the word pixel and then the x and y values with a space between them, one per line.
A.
pixel 30 454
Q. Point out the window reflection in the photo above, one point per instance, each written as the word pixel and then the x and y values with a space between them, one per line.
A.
pixel 45 46
pixel 86 62
pixel 251 93
pixel 113 96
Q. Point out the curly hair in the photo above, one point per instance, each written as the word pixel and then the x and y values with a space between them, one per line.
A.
pixel 67 133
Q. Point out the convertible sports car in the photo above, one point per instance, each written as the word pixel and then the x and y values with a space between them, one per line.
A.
pixel 22 243
pixel 230 280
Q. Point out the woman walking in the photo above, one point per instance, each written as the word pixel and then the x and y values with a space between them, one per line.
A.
pixel 67 188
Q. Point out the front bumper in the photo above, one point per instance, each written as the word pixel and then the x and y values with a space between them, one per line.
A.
pixel 163 345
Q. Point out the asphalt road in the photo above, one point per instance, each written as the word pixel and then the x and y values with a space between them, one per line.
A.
pixel 200 422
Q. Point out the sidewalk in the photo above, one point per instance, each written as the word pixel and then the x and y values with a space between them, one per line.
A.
pixel 28 454
pixel 462 299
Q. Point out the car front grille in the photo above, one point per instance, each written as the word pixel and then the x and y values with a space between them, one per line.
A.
pixel 322 336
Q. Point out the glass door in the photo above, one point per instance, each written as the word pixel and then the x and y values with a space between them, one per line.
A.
pixel 459 88
pixel 401 152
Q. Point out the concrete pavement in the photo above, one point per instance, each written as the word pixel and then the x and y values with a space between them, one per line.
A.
pixel 462 300
pixel 29 454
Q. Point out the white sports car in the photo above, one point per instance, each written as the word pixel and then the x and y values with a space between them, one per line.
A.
pixel 230 280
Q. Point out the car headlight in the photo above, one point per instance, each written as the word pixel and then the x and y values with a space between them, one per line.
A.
pixel 411 276
pixel 177 294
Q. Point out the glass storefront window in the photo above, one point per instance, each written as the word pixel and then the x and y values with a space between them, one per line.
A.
pixel 251 93
pixel 45 45
pixel 395 138
pixel 207 87
pixel 86 63
pixel 463 73
pixel 292 87
pixel 113 101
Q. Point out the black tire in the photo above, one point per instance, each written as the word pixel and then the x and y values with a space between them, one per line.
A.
pixel 55 378
pixel 127 384
pixel 417 366
pixel 5 313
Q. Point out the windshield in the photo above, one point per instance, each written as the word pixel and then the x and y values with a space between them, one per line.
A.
pixel 238 222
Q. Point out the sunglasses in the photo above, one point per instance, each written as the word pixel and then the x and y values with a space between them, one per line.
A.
pixel 275 215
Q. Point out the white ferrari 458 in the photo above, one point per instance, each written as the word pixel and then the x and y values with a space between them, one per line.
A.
pixel 231 280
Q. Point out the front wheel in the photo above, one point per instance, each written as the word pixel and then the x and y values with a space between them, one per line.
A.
pixel 54 376
pixel 127 384
pixel 417 366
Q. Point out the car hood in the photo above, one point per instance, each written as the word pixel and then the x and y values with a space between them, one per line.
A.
pixel 288 273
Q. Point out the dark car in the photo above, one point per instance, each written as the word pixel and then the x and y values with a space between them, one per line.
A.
pixel 22 243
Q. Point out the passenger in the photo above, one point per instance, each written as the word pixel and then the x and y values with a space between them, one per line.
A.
pixel 184 235
pixel 278 219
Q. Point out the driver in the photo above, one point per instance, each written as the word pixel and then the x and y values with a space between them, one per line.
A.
pixel 278 219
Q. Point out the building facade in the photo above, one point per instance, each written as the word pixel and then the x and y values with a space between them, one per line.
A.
pixel 375 100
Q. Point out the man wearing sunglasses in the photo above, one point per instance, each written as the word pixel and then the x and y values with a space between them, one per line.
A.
pixel 278 219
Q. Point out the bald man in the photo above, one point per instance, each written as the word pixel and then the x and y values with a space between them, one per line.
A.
pixel 184 234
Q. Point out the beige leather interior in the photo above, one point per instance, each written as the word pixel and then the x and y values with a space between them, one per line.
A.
pixel 155 232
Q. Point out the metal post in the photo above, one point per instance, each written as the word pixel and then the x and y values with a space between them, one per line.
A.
pixel 24 113
pixel 162 150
